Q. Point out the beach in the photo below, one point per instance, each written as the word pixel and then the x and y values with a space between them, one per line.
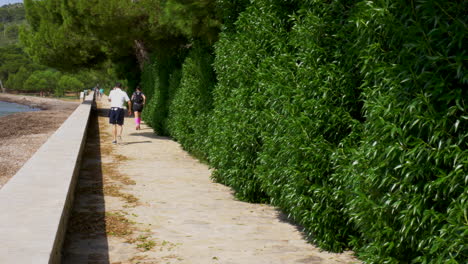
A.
pixel 23 133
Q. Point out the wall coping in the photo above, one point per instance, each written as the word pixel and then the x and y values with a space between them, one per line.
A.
pixel 35 203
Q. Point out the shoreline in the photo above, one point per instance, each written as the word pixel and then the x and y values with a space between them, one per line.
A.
pixel 43 103
pixel 21 102
pixel 9 108
pixel 23 133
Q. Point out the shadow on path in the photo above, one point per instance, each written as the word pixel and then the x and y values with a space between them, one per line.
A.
pixel 136 142
pixel 150 135
pixel 86 238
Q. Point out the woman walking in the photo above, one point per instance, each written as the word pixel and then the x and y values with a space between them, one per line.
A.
pixel 139 100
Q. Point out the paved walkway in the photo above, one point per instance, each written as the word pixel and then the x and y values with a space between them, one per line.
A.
pixel 145 200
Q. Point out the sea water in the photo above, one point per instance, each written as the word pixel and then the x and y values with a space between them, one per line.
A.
pixel 10 108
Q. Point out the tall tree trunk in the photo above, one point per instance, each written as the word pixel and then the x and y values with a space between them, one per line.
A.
pixel 141 53
pixel 1 86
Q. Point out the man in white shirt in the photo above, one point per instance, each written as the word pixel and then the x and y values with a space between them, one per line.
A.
pixel 117 98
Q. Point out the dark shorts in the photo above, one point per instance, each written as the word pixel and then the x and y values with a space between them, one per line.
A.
pixel 137 107
pixel 116 116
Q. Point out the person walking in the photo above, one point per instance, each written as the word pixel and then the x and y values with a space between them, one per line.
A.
pixel 101 93
pixel 139 100
pixel 97 91
pixel 117 98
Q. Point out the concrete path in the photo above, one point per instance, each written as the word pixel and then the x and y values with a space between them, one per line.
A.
pixel 145 200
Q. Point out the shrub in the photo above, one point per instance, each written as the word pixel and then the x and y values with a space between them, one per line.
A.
pixel 191 107
pixel 159 82
pixel 350 116
pixel 69 83
pixel 276 123
pixel 409 173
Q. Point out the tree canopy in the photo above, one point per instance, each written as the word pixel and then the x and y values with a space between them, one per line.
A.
pixel 11 17
pixel 83 33
pixel 12 13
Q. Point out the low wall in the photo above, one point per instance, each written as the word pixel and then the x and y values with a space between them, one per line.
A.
pixel 35 203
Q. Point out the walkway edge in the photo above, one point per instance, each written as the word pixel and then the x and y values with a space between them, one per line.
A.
pixel 35 203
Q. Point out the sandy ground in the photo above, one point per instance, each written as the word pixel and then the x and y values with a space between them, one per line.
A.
pixel 145 200
pixel 21 134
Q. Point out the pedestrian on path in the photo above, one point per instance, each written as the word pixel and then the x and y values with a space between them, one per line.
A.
pixel 117 98
pixel 139 100
pixel 101 92
pixel 97 90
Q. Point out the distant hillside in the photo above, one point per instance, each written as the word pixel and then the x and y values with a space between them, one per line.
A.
pixel 11 17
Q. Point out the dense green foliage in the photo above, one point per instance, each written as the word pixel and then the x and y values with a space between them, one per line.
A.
pixel 83 33
pixel 12 13
pixel 52 36
pixel 160 81
pixel 11 59
pixel 350 116
pixel 190 111
pixel 11 17
pixel 18 72
pixel 11 55
pixel 410 170
pixel 284 111
pixel 70 35
pixel 45 81
pixel 70 83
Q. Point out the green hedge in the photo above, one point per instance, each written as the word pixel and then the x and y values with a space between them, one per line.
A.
pixel 277 123
pixel 350 116
pixel 160 81
pixel 410 172
pixel 190 111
